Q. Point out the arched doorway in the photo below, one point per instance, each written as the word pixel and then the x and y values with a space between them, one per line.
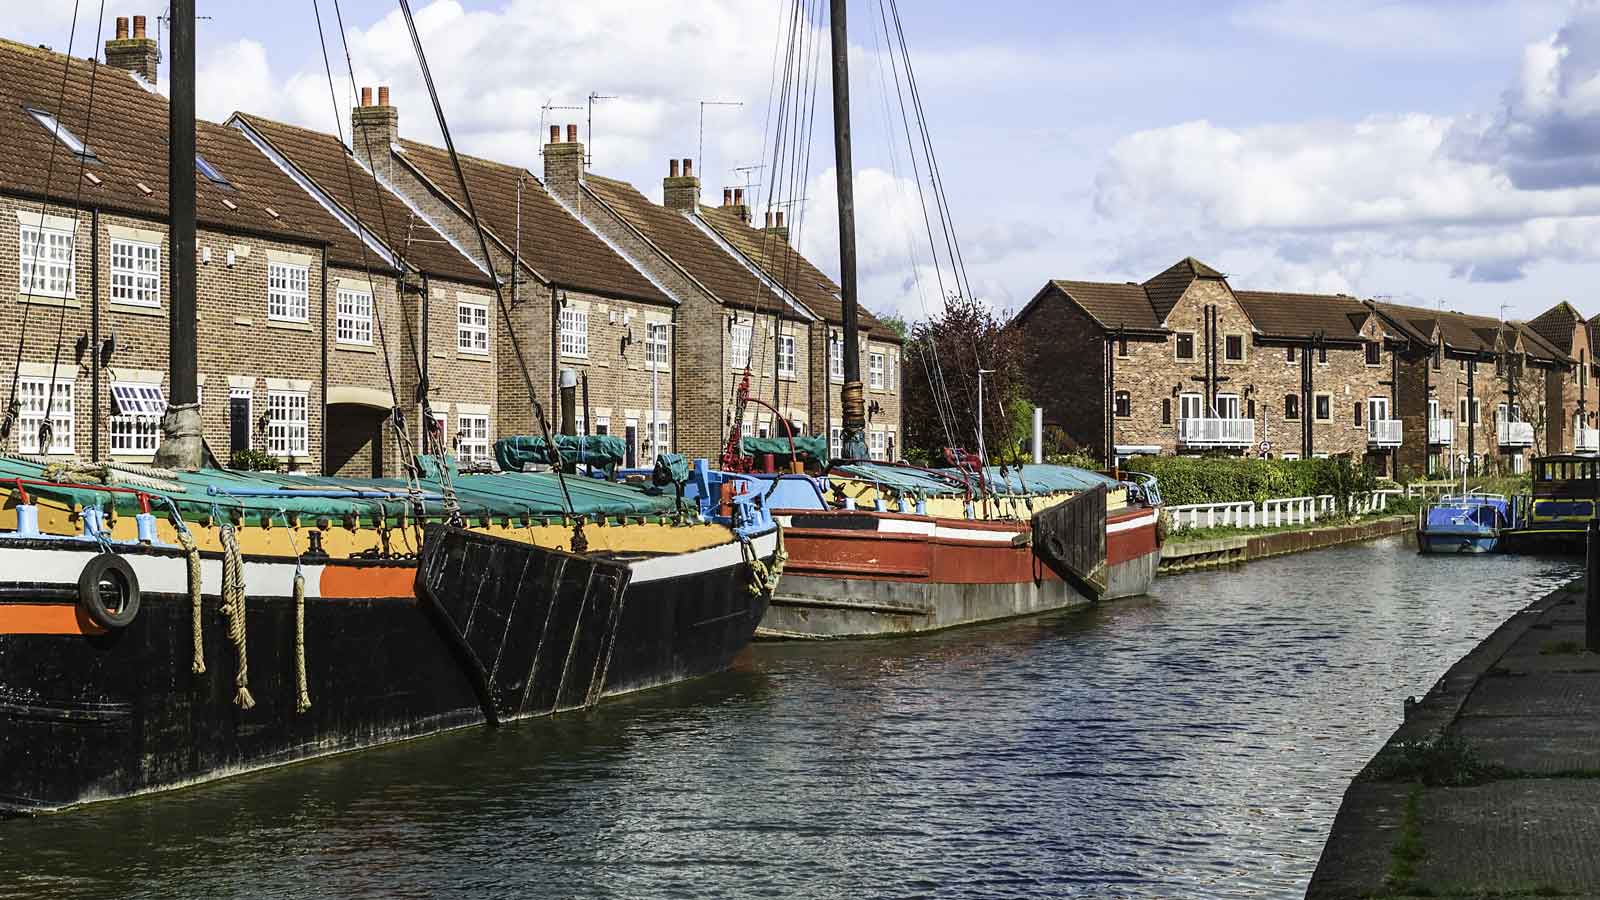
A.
pixel 355 432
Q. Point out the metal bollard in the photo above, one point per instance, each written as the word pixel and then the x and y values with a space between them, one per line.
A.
pixel 1591 591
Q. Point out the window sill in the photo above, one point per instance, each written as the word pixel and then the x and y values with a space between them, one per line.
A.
pixel 1235 362
pixel 39 300
pixel 788 376
pixel 283 325
pixel 472 356
pixel 293 458
pixel 355 348
pixel 143 458
pixel 576 357
pixel 136 309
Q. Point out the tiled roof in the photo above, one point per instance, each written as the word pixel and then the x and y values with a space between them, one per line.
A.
pixel 729 280
pixel 1469 333
pixel 1282 314
pixel 128 136
pixel 555 244
pixel 1557 324
pixel 1112 305
pixel 1167 288
pixel 326 161
pixel 786 266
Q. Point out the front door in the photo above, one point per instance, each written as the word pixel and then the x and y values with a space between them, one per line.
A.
pixel 1228 406
pixel 631 438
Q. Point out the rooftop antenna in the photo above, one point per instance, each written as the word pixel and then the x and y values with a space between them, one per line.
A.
pixel 590 136
pixel 544 110
pixel 750 185
pixel 1503 308
pixel 700 152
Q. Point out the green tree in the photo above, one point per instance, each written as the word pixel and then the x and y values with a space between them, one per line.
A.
pixel 942 358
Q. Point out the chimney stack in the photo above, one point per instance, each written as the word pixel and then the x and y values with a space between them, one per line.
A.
pixel 776 228
pixel 137 54
pixel 563 162
pixel 681 192
pixel 374 128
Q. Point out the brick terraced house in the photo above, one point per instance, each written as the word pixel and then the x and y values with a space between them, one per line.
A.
pixel 1184 363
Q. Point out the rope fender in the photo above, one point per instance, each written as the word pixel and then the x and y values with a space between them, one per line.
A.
pixel 763 576
pixel 233 607
pixel 191 552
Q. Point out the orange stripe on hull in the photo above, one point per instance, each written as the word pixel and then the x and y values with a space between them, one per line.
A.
pixel 364 582
pixel 46 618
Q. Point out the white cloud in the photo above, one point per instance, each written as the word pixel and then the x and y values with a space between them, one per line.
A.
pixel 1467 28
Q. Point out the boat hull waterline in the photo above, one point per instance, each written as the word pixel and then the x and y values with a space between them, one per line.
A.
pixel 88 714
pixel 869 574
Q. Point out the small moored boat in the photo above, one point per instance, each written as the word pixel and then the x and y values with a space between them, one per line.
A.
pixel 1469 523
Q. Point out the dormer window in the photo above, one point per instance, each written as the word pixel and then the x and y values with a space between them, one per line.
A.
pixel 209 171
pixel 62 133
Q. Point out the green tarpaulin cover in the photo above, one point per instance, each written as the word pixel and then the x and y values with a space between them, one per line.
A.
pixel 1041 479
pixel 602 450
pixel 671 468
pixel 814 447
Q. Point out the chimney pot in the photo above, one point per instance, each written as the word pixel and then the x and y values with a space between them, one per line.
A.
pixel 366 96
pixel 727 196
pixel 572 134
pixel 688 167
pixel 780 218
pixel 738 196
pixel 122 28
pixel 383 95
pixel 769 218
pixel 138 26
pixel 555 134
pixel 672 168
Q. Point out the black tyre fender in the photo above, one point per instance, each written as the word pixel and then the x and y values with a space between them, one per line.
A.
pixel 109 591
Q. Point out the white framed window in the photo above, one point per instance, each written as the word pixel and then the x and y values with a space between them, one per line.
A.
pixel 135 273
pixel 835 441
pixel 136 418
pixel 288 423
pixel 663 441
pixel 472 328
pixel 739 344
pixel 875 372
pixel 1190 407
pixel 602 424
pixel 35 395
pixel 474 443
pixel 353 318
pixel 786 355
pixel 574 331
pixel 45 257
pixel 656 353
pixel 836 359
pixel 877 444
pixel 288 292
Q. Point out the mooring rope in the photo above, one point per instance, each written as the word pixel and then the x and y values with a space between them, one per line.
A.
pixel 302 697
pixel 191 552
pixel 233 607
pixel 764 576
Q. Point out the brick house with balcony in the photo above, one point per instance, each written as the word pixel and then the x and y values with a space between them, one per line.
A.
pixel 1486 391
pixel 1573 428
pixel 1182 363
pixel 409 309
pixel 87 258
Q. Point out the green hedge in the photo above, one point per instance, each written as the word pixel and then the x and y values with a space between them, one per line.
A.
pixel 1191 479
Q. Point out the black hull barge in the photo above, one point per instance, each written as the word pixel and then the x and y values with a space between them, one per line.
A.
pixel 502 631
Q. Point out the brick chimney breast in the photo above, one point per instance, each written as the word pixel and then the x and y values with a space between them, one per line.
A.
pixel 563 162
pixel 137 54
pixel 776 228
pixel 681 192
pixel 374 128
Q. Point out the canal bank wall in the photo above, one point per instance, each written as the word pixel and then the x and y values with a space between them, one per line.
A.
pixel 1186 556
pixel 1490 787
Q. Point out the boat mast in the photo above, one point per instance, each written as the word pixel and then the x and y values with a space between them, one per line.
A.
pixel 181 442
pixel 855 407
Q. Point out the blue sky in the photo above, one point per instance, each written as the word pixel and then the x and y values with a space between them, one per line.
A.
pixel 1419 151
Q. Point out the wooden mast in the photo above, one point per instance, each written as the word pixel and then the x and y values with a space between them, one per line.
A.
pixel 181 441
pixel 855 409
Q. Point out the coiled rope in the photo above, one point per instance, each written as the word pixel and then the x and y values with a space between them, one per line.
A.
pixel 233 607
pixel 191 552
pixel 764 576
pixel 302 697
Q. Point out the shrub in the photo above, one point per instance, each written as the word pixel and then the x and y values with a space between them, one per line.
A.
pixel 1189 479
pixel 253 461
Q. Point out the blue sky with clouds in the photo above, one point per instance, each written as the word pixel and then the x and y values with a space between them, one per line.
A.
pixel 1422 151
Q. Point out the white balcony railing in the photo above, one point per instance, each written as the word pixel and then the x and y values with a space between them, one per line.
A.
pixel 1441 431
pixel 1516 434
pixel 1217 432
pixel 1587 440
pixel 1383 432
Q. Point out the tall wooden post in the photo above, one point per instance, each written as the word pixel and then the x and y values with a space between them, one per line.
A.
pixel 182 445
pixel 855 408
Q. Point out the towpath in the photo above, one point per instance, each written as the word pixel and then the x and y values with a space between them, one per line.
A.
pixel 1491 787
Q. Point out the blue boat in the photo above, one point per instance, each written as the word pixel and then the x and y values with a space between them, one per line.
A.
pixel 1471 523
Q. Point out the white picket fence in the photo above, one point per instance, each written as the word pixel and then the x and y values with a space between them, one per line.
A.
pixel 1271 513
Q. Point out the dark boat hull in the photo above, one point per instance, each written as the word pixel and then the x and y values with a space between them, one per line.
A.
pixel 89 715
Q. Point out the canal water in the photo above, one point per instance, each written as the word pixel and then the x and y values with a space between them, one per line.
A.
pixel 1194 743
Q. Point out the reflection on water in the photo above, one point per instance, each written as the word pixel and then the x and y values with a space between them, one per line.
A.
pixel 1190 744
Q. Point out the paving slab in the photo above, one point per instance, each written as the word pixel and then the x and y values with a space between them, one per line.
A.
pixel 1533 745
pixel 1535 694
pixel 1526 835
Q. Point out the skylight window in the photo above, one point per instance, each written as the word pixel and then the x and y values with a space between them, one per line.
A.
pixel 62 133
pixel 209 171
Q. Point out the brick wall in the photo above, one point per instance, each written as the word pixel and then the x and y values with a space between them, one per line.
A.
pixel 1064 364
